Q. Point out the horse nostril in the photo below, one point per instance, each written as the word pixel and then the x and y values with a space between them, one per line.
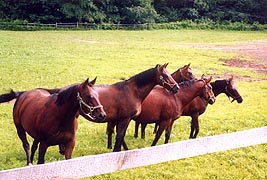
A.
pixel 102 116
pixel 175 89
pixel 240 100
pixel 211 101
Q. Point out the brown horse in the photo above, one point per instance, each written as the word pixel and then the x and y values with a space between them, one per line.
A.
pixel 180 75
pixel 163 108
pixel 52 119
pixel 198 106
pixel 122 101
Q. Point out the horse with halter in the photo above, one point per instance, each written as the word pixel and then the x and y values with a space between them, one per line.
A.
pixel 51 119
pixel 181 74
pixel 198 105
pixel 122 101
pixel 163 108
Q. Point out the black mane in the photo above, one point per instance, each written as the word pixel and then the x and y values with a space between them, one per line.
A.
pixel 140 79
pixel 187 83
pixel 65 93
pixel 144 77
pixel 218 85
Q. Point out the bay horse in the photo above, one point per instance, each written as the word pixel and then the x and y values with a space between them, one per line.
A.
pixel 198 105
pixel 122 100
pixel 51 119
pixel 163 108
pixel 181 74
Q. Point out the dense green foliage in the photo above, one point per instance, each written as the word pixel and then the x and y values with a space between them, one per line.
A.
pixel 58 58
pixel 134 11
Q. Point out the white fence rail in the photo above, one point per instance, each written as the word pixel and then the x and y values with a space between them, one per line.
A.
pixel 110 162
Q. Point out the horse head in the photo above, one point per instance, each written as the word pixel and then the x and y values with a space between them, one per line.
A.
pixel 231 91
pixel 183 74
pixel 208 93
pixel 90 106
pixel 165 79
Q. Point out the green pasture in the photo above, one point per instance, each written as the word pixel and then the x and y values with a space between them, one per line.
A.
pixel 58 58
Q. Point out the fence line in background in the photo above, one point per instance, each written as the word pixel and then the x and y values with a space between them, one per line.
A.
pixel 110 162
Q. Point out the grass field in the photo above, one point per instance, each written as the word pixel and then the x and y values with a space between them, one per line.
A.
pixel 58 58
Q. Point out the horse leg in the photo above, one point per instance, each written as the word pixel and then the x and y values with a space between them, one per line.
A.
pixel 120 133
pixel 61 149
pixel 33 149
pixel 22 135
pixel 143 132
pixel 136 129
pixel 69 149
pixel 155 128
pixel 125 147
pixel 168 133
pixel 196 126
pixel 160 130
pixel 42 150
pixel 110 131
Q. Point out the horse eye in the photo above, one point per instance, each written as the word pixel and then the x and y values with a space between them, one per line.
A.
pixel 89 97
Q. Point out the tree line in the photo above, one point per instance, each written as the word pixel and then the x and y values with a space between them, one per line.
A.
pixel 134 11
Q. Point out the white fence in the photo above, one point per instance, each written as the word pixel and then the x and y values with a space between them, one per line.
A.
pixel 110 162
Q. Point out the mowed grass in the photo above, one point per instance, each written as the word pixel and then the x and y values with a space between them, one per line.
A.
pixel 58 58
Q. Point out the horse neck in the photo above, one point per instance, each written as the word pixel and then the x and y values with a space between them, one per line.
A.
pixel 142 84
pixel 217 88
pixel 187 93
pixel 69 106
pixel 177 76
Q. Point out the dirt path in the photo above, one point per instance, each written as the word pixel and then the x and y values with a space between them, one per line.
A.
pixel 251 55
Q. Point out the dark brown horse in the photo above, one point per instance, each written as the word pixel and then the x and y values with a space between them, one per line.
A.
pixel 163 108
pixel 52 119
pixel 122 101
pixel 199 105
pixel 180 75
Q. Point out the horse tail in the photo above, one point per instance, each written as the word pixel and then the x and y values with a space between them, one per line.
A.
pixel 10 96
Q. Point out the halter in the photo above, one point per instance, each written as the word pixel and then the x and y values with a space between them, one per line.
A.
pixel 205 91
pixel 90 108
pixel 231 95
pixel 165 82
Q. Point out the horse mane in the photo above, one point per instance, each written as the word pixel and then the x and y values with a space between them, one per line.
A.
pixel 218 84
pixel 65 93
pixel 187 83
pixel 144 77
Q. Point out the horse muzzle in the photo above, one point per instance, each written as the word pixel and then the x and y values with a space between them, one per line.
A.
pixel 239 100
pixel 175 88
pixel 211 101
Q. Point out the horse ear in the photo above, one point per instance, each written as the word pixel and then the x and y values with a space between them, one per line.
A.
pixel 85 83
pixel 157 66
pixel 231 78
pixel 93 81
pixel 188 65
pixel 165 65
pixel 209 80
pixel 203 76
